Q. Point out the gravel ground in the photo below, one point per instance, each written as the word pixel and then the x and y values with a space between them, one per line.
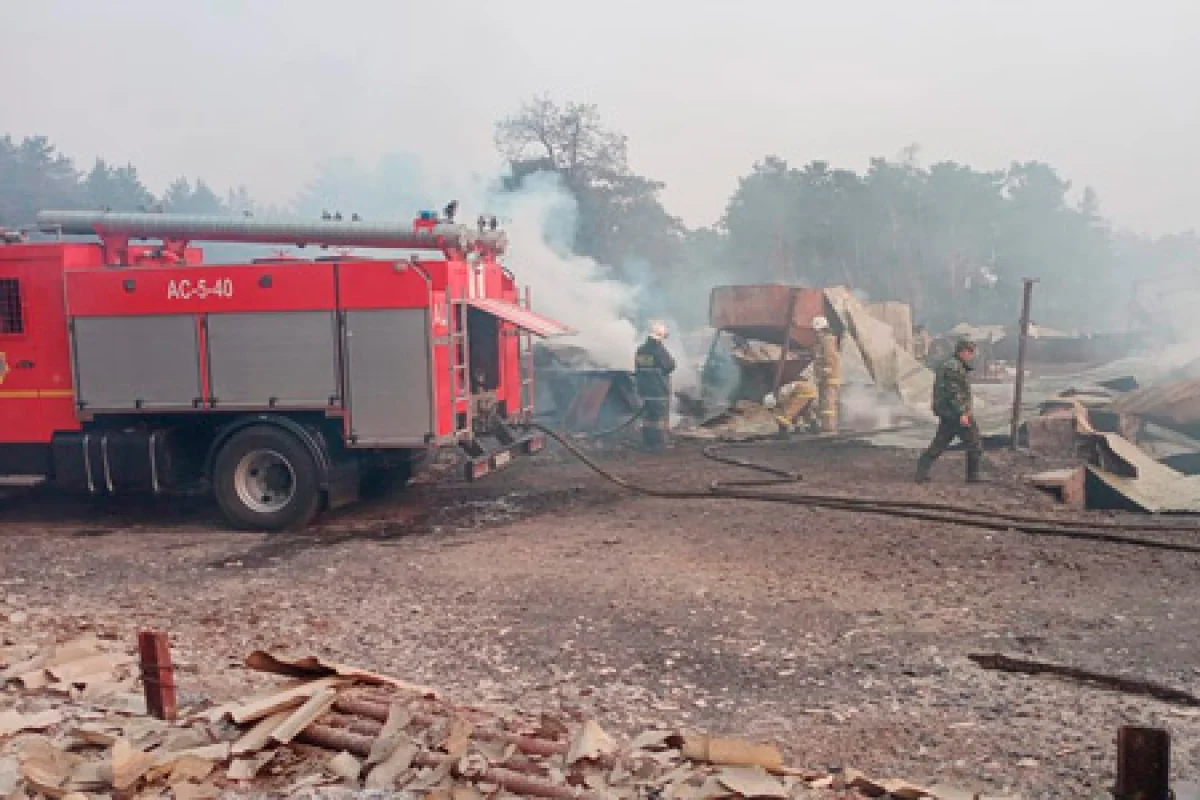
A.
pixel 841 636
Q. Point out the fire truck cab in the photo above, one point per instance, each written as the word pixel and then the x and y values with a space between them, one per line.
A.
pixel 283 386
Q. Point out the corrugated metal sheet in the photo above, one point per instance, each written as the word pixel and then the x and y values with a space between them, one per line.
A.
pixel 899 316
pixel 1171 404
pixel 521 317
pixel 890 366
pixel 1146 484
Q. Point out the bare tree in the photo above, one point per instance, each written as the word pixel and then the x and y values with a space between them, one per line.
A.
pixel 570 139
pixel 621 222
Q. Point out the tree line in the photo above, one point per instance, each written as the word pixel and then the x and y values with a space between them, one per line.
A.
pixel 35 176
pixel 951 240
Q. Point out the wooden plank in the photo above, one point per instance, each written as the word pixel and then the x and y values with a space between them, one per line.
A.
pixel 257 737
pixel 391 735
pixel 247 769
pixel 211 752
pixel 32 675
pixel 13 721
pixel 74 650
pixel 286 699
pixel 128 764
pixel 384 775
pixel 1065 484
pixel 304 716
pixel 89 666
pixel 1051 479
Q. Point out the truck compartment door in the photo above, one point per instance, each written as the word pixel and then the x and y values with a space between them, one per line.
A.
pixel 388 377
pixel 273 360
pixel 129 363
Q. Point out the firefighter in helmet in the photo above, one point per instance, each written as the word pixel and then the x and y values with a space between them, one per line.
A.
pixel 654 365
pixel 956 417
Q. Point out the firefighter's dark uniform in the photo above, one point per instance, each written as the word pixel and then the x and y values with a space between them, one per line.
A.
pixel 654 366
pixel 951 402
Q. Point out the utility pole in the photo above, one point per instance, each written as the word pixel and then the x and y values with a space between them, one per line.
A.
pixel 1021 345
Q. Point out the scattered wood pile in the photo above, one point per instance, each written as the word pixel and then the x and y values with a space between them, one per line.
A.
pixel 73 726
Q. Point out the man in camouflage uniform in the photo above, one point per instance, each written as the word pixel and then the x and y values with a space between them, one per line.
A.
pixel 654 366
pixel 956 418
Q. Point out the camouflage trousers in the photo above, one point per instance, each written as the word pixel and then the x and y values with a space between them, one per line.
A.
pixel 950 429
pixel 656 416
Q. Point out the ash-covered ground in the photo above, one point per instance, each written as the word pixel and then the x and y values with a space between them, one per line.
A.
pixel 841 636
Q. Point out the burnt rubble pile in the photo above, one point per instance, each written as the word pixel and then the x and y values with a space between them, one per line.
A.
pixel 73 725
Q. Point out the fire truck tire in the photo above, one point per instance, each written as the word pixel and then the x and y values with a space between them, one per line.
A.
pixel 264 478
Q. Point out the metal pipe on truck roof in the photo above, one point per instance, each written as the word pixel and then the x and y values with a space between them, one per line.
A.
pixel 207 228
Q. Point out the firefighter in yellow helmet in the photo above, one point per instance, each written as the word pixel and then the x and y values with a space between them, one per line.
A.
pixel 654 365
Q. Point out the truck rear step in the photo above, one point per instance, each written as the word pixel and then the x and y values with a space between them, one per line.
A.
pixel 482 459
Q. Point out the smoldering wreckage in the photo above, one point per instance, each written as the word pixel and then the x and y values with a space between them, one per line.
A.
pixel 279 427
pixel 786 360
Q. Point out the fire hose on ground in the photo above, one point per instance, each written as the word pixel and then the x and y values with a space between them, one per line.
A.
pixel 986 519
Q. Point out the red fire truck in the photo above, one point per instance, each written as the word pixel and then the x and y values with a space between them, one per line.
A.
pixel 282 385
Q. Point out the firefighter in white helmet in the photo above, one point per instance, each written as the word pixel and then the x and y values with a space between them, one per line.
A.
pixel 654 365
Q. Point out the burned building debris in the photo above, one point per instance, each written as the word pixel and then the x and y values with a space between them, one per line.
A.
pixel 784 353
pixel 325 728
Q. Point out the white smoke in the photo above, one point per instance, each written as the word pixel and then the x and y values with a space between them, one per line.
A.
pixel 656 303
pixel 864 407
pixel 541 219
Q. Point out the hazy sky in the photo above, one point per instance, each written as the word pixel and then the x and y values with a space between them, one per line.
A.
pixel 258 92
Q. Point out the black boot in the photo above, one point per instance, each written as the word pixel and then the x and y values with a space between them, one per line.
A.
pixel 924 465
pixel 974 468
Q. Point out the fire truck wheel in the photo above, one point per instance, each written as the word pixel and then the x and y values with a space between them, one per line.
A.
pixel 266 479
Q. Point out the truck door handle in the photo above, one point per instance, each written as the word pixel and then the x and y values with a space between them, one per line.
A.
pixel 23 365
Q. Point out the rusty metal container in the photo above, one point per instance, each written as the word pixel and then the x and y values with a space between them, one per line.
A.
pixel 768 312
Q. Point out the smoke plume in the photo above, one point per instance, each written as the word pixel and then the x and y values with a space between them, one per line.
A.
pixel 541 218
